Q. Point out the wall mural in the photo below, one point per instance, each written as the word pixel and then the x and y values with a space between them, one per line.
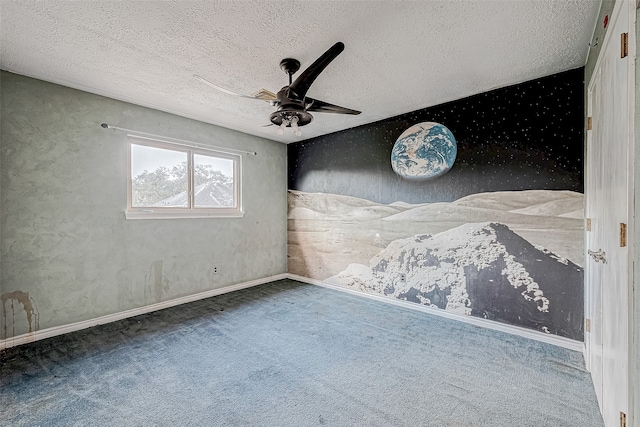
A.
pixel 498 234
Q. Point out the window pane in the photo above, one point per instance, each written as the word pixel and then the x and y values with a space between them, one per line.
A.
pixel 213 182
pixel 158 177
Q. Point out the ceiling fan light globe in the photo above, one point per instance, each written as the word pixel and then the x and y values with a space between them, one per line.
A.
pixel 294 125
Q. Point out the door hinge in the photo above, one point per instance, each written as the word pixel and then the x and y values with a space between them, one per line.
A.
pixel 623 235
pixel 589 123
pixel 624 45
pixel 587 325
pixel 588 224
pixel 623 419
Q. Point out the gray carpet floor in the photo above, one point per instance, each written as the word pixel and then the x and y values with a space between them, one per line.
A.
pixel 292 354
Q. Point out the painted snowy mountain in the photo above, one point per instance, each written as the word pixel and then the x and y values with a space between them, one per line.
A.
pixel 483 270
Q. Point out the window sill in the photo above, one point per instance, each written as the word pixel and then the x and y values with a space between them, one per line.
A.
pixel 181 215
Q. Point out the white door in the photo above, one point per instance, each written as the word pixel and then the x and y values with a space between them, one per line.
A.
pixel 607 205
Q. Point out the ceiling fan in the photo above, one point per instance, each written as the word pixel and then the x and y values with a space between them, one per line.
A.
pixel 294 107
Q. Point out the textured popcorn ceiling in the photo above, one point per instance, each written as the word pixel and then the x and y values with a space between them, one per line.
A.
pixel 400 55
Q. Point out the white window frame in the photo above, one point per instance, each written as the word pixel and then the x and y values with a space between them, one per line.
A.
pixel 191 211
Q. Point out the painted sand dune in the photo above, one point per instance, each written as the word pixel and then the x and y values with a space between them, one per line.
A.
pixel 513 200
pixel 328 232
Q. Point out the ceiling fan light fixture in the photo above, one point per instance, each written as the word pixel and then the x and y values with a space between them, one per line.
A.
pixel 288 113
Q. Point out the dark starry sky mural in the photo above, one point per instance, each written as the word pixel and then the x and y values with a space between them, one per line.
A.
pixel 527 136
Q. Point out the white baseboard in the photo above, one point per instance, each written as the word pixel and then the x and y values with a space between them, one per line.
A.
pixel 514 330
pixel 64 329
pixel 489 324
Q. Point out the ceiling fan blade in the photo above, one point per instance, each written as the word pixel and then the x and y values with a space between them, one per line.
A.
pixel 262 95
pixel 324 107
pixel 302 84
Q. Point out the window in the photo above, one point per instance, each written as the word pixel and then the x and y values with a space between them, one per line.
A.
pixel 167 180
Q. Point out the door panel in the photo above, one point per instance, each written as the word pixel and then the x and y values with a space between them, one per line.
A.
pixel 593 270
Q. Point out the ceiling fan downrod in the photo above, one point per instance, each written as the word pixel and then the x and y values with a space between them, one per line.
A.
pixel 290 66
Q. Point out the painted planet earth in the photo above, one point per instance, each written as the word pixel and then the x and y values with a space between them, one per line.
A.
pixel 424 151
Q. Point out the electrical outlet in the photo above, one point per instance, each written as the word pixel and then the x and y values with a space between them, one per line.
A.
pixel 215 270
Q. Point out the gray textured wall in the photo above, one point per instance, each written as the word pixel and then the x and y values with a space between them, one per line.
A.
pixel 64 238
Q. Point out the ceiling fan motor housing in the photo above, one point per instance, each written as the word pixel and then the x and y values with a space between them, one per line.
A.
pixel 289 108
pixel 277 117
